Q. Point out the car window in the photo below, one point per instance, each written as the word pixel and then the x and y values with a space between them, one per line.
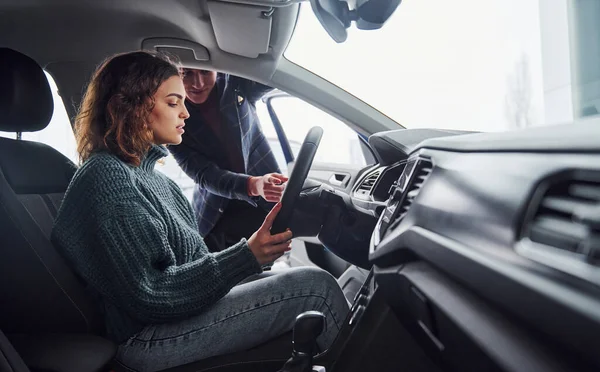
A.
pixel 339 144
pixel 60 136
pixel 492 65
pixel 269 132
pixel 59 133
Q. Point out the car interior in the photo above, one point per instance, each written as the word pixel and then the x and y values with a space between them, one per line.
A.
pixel 458 251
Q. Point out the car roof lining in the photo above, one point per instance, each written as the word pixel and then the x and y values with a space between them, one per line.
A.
pixel 69 38
pixel 93 30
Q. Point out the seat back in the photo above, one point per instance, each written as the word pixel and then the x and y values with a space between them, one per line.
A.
pixel 10 360
pixel 38 291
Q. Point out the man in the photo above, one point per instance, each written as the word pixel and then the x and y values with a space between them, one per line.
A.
pixel 225 152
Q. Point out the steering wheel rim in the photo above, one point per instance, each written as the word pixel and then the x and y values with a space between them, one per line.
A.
pixel 296 181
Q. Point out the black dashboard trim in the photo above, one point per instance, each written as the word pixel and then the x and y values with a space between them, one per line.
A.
pixel 396 145
pixel 467 221
pixel 580 137
pixel 457 313
pixel 562 312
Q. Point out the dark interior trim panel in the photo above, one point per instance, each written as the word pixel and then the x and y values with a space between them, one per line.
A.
pixel 581 136
pixel 459 329
pixel 465 217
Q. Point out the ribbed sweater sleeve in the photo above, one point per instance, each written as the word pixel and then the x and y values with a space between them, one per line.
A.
pixel 144 277
pixel 139 248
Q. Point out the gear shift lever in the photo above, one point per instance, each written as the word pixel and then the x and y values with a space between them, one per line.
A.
pixel 307 328
pixel 309 325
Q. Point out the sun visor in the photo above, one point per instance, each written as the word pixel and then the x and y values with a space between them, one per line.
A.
pixel 244 30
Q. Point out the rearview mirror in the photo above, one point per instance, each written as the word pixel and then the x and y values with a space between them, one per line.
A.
pixel 335 15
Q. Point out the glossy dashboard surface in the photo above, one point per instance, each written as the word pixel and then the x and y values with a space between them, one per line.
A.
pixel 463 204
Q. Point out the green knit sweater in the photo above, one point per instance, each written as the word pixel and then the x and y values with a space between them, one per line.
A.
pixel 131 234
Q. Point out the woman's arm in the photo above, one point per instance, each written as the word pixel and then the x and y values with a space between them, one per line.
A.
pixel 143 276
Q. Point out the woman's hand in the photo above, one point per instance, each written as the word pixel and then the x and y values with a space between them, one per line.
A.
pixel 266 247
pixel 270 186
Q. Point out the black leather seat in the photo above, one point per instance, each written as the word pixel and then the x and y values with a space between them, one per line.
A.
pixel 44 308
pixel 10 360
pixel 42 304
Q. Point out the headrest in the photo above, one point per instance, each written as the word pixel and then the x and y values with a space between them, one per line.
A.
pixel 26 103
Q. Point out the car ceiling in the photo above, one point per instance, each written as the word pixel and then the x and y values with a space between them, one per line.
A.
pixel 86 30
pixel 69 38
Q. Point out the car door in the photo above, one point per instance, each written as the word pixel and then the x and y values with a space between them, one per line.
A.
pixel 342 156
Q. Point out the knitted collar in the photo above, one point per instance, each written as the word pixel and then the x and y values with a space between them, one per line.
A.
pixel 155 153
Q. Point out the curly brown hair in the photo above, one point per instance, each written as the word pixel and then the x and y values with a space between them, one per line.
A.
pixel 117 104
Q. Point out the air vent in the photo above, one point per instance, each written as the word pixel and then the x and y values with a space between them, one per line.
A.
pixel 566 217
pixel 366 185
pixel 422 169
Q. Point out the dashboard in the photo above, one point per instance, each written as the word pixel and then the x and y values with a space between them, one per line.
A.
pixel 491 242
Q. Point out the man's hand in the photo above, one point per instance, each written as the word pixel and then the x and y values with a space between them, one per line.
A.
pixel 270 186
pixel 266 247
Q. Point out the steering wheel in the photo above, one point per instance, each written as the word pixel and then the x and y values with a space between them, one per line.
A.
pixel 296 181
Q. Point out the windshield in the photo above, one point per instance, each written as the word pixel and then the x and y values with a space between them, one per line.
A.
pixel 466 64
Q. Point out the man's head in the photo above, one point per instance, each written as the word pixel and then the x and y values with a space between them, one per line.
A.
pixel 198 84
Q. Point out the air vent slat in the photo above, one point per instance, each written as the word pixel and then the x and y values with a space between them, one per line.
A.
pixel 367 184
pixel 421 171
pixel 564 205
pixel 558 232
pixel 589 192
pixel 413 193
pixel 594 249
pixel 566 218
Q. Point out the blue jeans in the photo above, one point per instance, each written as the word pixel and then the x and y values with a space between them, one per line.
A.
pixel 257 310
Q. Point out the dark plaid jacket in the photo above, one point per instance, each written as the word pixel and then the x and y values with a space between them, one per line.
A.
pixel 203 159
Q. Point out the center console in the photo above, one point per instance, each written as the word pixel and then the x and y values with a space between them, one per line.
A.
pixel 372 338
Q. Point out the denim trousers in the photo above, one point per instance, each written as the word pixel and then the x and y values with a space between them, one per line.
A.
pixel 260 308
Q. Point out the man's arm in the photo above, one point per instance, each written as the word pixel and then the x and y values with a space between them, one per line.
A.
pixel 209 176
pixel 253 90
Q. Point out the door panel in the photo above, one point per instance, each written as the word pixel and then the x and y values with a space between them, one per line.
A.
pixel 340 176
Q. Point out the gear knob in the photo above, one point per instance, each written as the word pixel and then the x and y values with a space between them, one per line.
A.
pixel 309 325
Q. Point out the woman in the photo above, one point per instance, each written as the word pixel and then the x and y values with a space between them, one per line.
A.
pixel 131 234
